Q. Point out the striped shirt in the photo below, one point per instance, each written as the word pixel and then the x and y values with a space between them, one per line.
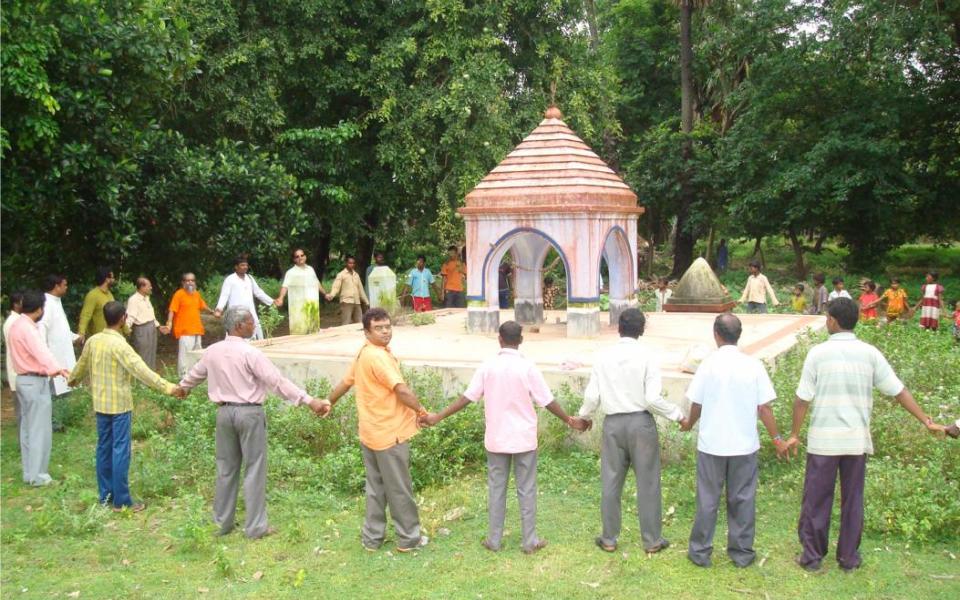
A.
pixel 838 377
pixel 111 365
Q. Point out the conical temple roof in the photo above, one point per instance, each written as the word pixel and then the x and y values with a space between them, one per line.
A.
pixel 552 169
pixel 699 285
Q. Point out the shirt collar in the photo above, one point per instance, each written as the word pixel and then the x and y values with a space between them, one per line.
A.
pixel 110 331
pixel 233 338
pixel 629 340
pixel 843 335
pixel 728 348
pixel 510 351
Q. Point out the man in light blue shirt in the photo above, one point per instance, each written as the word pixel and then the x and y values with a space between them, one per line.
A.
pixel 420 280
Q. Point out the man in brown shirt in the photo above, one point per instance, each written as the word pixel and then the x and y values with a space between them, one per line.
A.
pixel 350 289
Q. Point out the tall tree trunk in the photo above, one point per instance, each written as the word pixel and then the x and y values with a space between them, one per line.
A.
pixel 685 239
pixel 710 238
pixel 366 245
pixel 818 247
pixel 797 243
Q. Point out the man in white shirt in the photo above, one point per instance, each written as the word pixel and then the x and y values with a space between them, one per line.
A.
pixel 239 289
pixel 663 293
pixel 55 329
pixel 626 385
pixel 838 291
pixel 143 324
pixel 16 304
pixel 729 389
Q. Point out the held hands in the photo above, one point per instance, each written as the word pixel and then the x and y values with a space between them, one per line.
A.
pixel 428 420
pixel 934 428
pixel 784 448
pixel 321 408
pixel 580 424
pixel 180 392
pixel 218 313
pixel 278 302
pixel 685 424
pixel 164 329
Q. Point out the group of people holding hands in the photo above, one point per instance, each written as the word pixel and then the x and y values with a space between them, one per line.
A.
pixel 727 395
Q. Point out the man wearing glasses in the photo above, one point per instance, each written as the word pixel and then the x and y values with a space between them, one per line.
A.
pixel 183 319
pixel 387 411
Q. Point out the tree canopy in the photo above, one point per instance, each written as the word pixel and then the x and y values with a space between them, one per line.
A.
pixel 160 136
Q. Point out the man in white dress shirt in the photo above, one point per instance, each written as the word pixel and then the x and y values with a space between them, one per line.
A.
pixel 626 385
pixel 239 289
pixel 55 332
pixel 731 389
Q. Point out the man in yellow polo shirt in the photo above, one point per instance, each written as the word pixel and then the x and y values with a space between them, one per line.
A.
pixel 387 412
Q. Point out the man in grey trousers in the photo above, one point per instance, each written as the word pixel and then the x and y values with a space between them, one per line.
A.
pixel 729 390
pixel 238 378
pixel 626 385
pixel 510 386
pixel 34 365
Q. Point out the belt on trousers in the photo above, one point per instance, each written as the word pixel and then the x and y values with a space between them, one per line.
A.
pixel 237 404
pixel 44 375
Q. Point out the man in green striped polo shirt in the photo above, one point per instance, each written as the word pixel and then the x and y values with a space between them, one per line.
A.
pixel 837 382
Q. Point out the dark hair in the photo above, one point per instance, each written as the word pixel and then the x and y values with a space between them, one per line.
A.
pixel 32 300
pixel 374 314
pixel 723 241
pixel 663 280
pixel 631 323
pixel 819 278
pixel 51 281
pixel 755 264
pixel 548 279
pixel 142 281
pixel 728 327
pixel 801 286
pixel 837 280
pixel 845 311
pixel 422 257
pixel 102 274
pixel 113 312
pixel 870 285
pixel 449 248
pixel 934 275
pixel 16 297
pixel 894 280
pixel 293 252
pixel 511 333
pixel 239 259
pixel 378 253
pixel 349 258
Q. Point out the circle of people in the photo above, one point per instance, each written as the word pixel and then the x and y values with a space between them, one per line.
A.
pixel 729 392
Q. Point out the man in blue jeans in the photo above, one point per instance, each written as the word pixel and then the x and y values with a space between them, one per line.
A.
pixel 111 364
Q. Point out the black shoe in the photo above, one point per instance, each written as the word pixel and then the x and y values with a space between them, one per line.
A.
pixel 661 546
pixel 812 567
pixel 604 546
pixel 700 563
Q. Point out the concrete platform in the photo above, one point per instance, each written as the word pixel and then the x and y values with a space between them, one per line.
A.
pixel 447 347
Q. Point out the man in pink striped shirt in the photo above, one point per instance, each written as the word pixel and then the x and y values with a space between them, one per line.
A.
pixel 510 385
pixel 34 365
pixel 238 378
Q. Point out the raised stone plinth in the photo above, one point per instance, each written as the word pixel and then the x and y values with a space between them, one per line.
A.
pixel 455 354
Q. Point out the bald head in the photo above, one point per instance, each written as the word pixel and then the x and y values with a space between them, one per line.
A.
pixel 727 329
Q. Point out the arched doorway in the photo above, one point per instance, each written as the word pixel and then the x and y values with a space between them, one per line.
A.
pixel 621 266
pixel 528 248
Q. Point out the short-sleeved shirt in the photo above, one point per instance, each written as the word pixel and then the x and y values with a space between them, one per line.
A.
pixel 454 271
pixel 896 300
pixel 729 386
pixel 383 420
pixel 509 384
pixel 799 303
pixel 186 309
pixel 420 282
pixel 838 378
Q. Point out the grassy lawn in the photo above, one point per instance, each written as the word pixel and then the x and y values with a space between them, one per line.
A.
pixel 169 550
pixel 57 542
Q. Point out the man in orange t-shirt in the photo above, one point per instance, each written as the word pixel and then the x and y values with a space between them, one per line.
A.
pixel 387 412
pixel 183 316
pixel 453 273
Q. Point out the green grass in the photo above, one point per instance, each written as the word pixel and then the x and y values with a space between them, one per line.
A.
pixel 57 541
pixel 169 550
